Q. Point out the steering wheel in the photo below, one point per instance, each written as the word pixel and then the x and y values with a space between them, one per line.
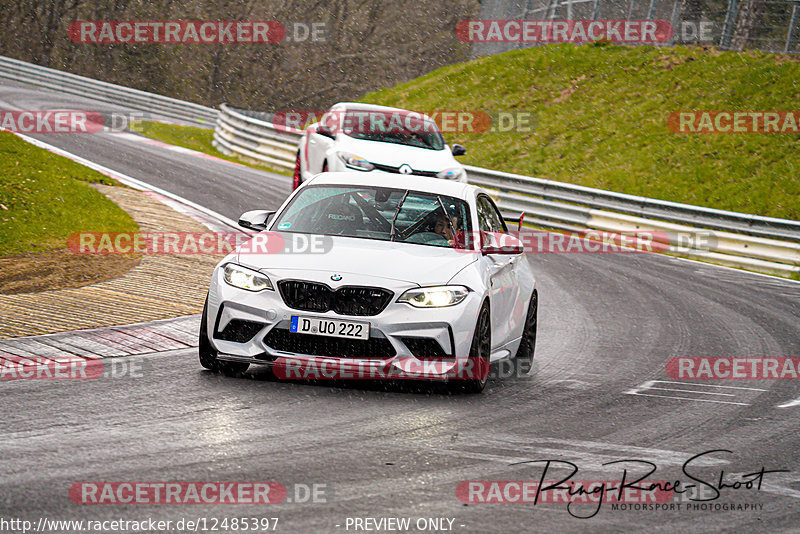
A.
pixel 373 214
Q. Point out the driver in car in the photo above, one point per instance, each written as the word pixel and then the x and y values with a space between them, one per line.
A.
pixel 444 228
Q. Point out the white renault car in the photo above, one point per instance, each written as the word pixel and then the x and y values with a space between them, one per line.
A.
pixel 410 273
pixel 365 137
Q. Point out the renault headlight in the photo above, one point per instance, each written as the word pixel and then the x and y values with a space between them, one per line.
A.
pixel 456 173
pixel 245 278
pixel 355 162
pixel 434 297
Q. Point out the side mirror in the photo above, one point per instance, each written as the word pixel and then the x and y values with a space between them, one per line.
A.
pixel 329 124
pixel 327 132
pixel 255 220
pixel 515 219
pixel 459 150
pixel 499 243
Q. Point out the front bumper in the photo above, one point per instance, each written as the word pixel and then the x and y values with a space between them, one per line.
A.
pixel 252 328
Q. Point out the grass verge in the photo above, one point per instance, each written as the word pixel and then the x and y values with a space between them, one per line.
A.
pixel 601 120
pixel 43 199
pixel 195 138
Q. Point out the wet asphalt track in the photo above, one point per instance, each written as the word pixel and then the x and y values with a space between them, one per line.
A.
pixel 608 324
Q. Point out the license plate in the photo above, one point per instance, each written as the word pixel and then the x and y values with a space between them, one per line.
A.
pixel 329 327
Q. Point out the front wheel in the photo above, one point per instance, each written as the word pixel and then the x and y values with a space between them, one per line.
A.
pixel 208 355
pixel 479 354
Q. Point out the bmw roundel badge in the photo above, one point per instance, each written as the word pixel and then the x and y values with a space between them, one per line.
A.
pixel 336 277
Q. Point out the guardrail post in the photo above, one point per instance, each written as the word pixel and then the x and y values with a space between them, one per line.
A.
pixel 651 11
pixel 792 28
pixel 730 19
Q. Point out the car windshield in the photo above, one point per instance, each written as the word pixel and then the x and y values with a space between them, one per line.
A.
pixel 400 127
pixel 380 213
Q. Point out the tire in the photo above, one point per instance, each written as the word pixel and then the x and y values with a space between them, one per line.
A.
pixel 527 347
pixel 479 353
pixel 208 355
pixel 298 179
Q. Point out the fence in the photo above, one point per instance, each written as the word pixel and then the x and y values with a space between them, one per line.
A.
pixel 67 83
pixel 239 133
pixel 762 244
pixel 768 25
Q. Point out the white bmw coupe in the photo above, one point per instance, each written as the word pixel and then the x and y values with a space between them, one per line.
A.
pixel 365 137
pixel 411 273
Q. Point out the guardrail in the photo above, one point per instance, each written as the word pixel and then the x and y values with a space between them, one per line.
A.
pixel 752 242
pixel 762 244
pixel 65 82
pixel 254 139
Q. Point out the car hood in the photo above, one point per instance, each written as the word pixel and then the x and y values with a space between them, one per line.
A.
pixel 360 260
pixel 420 159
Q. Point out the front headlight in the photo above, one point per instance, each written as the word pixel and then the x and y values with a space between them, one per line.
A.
pixel 245 278
pixel 434 297
pixel 355 162
pixel 456 173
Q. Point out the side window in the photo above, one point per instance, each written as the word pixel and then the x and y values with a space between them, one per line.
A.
pixel 489 219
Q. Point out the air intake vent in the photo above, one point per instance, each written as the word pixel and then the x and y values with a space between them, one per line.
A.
pixel 347 300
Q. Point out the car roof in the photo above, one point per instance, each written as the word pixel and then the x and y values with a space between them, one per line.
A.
pixel 358 106
pixel 436 186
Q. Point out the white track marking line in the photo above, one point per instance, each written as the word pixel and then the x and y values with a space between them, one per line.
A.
pixel 689 399
pixel 703 385
pixel 653 385
pixel 692 391
pixel 128 180
pixel 789 404
pixel 597 450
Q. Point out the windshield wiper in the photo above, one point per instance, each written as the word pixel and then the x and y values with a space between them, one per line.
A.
pixel 449 221
pixel 396 213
